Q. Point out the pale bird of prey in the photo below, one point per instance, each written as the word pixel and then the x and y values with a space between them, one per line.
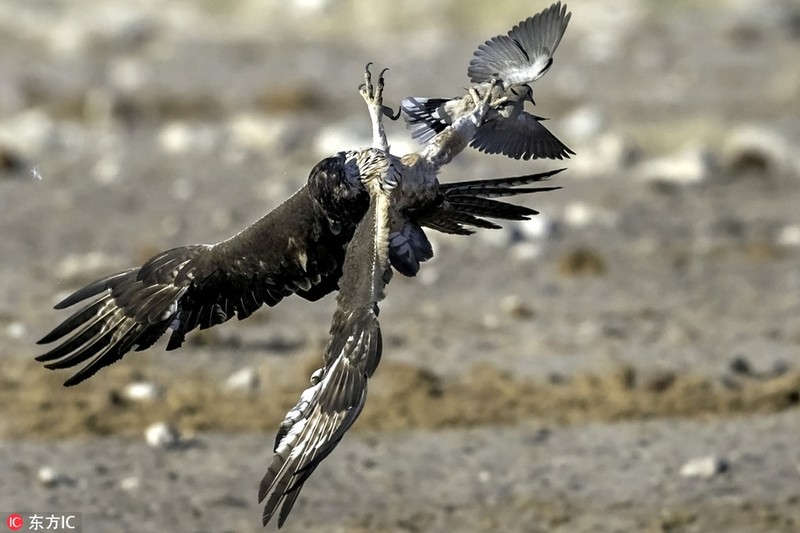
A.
pixel 404 196
pixel 359 213
pixel 516 60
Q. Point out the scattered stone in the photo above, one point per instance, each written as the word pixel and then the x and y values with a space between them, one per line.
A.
pixel 704 467
pixel 526 251
pixel 501 238
pixel 756 149
pixel 257 132
pixel 578 214
pixel 107 170
pixel 689 166
pixel 584 124
pixel 608 154
pixel 582 262
pixel 789 235
pixel 142 391
pixel 10 160
pixel 513 306
pixel 128 74
pixel 82 266
pixel 332 139
pixel 348 135
pixel 28 133
pixel 536 228
pixel 587 331
pixel 490 321
pixel 16 330
pixel 581 214
pixel 49 476
pixel 740 365
pixel 161 435
pixel 243 380
pixel 130 483
pixel 660 381
pixel 67 38
pixel 180 137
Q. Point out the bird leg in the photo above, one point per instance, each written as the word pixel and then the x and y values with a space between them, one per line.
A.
pixel 373 96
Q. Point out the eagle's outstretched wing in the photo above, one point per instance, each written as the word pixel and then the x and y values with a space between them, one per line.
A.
pixel 296 248
pixel 524 54
pixel 326 410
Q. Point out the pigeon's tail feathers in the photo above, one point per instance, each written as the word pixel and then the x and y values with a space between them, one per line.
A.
pixel 424 117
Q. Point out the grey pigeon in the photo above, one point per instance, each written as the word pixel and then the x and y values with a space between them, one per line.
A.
pixel 515 60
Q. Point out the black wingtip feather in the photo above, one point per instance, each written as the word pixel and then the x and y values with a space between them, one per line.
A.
pixel 92 289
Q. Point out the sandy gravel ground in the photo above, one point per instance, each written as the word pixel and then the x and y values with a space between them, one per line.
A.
pixel 558 375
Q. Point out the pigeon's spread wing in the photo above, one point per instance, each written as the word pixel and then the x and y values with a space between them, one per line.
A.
pixel 290 250
pixel 464 205
pixel 326 410
pixel 522 137
pixel 525 53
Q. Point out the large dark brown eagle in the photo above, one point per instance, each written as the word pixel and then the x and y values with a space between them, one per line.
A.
pixel 360 214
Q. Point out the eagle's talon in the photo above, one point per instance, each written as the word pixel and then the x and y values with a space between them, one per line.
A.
pixel 380 77
pixel 373 97
pixel 389 112
pixel 368 78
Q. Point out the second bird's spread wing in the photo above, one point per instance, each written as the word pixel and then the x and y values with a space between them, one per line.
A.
pixel 525 53
pixel 521 137
pixel 327 409
pixel 292 249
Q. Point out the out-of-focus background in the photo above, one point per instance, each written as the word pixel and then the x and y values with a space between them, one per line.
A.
pixel 627 361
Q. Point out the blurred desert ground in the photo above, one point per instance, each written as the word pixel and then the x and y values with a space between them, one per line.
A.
pixel 558 375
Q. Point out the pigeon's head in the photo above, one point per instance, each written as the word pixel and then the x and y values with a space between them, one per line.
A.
pixel 337 191
pixel 521 93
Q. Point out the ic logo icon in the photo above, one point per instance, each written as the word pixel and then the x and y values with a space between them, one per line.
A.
pixel 15 522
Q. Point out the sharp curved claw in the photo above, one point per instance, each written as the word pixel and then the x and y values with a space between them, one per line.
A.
pixel 389 112
pixel 368 73
pixel 380 78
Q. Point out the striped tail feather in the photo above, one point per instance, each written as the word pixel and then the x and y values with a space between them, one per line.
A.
pixel 464 205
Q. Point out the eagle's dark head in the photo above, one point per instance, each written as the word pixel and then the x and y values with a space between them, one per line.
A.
pixel 338 192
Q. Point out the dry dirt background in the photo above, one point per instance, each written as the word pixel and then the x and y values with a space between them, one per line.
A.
pixel 552 376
